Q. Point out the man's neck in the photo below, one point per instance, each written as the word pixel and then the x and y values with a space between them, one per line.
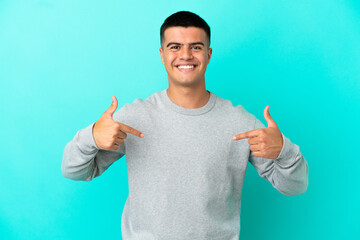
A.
pixel 188 97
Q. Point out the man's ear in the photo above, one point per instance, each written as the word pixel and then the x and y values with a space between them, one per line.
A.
pixel 209 54
pixel 161 56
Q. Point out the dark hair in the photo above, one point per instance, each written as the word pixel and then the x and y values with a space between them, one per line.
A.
pixel 184 19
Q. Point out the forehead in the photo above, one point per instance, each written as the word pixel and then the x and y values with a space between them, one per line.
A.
pixel 184 34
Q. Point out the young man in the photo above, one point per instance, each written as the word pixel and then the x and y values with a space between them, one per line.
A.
pixel 186 149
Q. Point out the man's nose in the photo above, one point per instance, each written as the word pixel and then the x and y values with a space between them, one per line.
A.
pixel 185 53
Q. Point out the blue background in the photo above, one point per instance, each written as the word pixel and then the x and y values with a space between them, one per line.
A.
pixel 61 61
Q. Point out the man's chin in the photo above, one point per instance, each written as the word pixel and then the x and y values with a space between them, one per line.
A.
pixel 186 82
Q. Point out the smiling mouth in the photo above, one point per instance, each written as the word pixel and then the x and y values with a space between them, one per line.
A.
pixel 186 68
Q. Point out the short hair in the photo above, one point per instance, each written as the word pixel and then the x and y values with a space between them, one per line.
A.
pixel 184 19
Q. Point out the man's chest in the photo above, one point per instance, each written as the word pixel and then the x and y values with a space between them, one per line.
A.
pixel 188 145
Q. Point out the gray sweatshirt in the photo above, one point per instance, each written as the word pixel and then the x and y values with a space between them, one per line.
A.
pixel 186 175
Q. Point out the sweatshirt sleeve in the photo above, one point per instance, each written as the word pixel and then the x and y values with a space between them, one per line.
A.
pixel 83 160
pixel 288 173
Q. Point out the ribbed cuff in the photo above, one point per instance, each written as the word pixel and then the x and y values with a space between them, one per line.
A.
pixel 87 139
pixel 288 152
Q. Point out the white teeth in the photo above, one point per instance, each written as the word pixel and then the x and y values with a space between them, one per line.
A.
pixel 186 66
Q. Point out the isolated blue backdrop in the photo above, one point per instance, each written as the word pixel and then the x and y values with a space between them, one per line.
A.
pixel 61 61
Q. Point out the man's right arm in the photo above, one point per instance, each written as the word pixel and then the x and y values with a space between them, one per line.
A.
pixel 96 147
pixel 83 160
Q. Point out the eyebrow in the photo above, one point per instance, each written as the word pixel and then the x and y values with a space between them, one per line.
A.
pixel 193 43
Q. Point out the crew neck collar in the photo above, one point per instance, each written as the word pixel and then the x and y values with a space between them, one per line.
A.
pixel 188 111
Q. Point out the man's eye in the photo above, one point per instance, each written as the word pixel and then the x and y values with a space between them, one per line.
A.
pixel 197 47
pixel 174 47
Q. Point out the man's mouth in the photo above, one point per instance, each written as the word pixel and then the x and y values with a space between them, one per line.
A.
pixel 186 67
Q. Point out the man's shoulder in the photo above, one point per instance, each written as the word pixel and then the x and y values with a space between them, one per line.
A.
pixel 237 111
pixel 137 107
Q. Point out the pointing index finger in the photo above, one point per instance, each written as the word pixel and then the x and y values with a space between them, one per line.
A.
pixel 128 129
pixel 249 134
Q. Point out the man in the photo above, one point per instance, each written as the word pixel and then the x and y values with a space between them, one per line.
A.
pixel 186 149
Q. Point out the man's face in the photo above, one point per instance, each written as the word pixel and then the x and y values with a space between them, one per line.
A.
pixel 185 53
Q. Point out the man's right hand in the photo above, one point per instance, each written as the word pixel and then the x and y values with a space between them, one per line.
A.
pixel 109 134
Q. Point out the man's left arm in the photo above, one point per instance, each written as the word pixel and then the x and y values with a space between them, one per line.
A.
pixel 276 158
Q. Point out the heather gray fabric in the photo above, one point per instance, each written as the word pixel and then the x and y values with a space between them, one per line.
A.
pixel 186 175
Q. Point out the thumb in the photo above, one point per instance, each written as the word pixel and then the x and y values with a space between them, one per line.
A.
pixel 112 108
pixel 270 121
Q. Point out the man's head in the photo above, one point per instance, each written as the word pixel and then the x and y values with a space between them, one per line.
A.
pixel 185 48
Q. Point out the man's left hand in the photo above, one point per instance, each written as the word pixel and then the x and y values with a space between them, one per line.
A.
pixel 264 142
